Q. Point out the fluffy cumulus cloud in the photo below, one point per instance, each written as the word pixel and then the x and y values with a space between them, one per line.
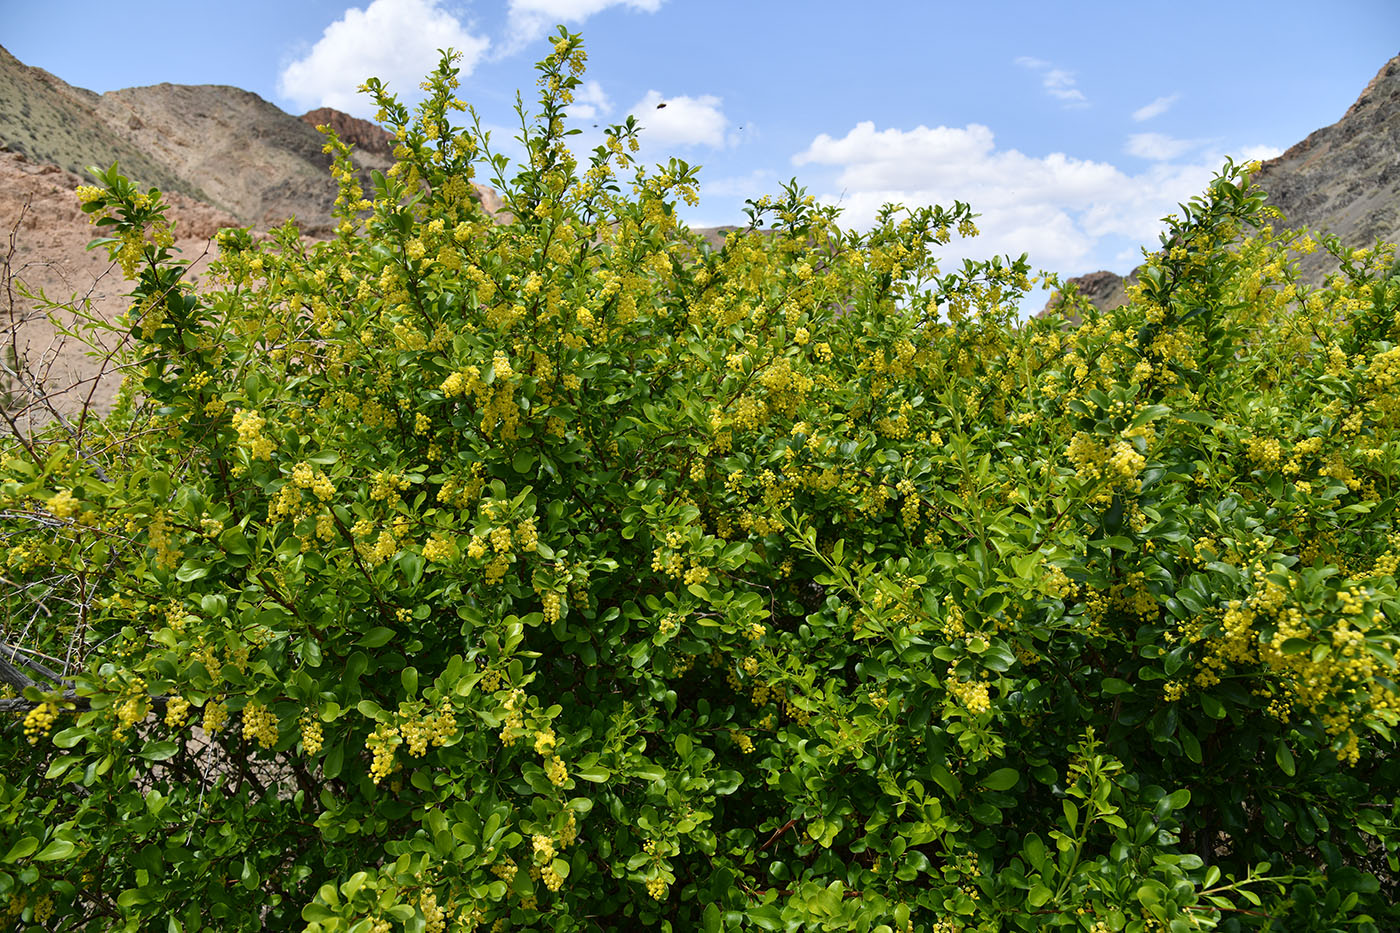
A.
pixel 527 20
pixel 1158 147
pixel 590 102
pixel 1057 82
pixel 682 121
pixel 1056 207
pixel 1155 109
pixel 396 41
pixel 755 184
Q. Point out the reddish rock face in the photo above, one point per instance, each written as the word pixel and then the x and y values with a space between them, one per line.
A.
pixel 362 134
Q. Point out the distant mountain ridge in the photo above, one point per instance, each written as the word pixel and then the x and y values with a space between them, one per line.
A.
pixel 221 145
pixel 51 122
pixel 1344 179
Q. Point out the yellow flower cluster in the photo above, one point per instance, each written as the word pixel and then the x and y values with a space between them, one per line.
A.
pixel 1264 451
pixel 386 484
pixel 1125 461
pixel 972 694
pixel 439 548
pixel 63 504
pixel 131 708
pixel 552 605
pixel 39 720
pixel 513 721
pixel 249 425
pixel 260 724
pixel 421 731
pixel 311 736
pixel 315 480
pixel 177 710
pixel 1057 584
pixel 506 870
pixel 215 715
pixel 543 846
pixel 382 743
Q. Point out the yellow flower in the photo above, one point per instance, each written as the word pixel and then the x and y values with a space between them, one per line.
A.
pixel 62 504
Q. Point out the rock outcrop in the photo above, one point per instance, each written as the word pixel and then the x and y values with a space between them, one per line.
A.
pixel 362 134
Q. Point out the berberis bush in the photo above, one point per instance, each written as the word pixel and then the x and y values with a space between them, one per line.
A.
pixel 563 573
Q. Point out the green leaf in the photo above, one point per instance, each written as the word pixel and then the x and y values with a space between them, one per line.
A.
pixel 377 637
pixel 1034 851
pixel 711 920
pixel 334 761
pixel 1001 779
pixel 412 565
pixel 24 847
pixel 351 886
pixel 946 780
pixel 1284 756
pixel 192 570
pixel 234 542
pixel 1112 686
pixel 1038 895
pixel 159 751
pixel 61 766
pixel 1212 707
pixel 986 813
pixel 58 849
pixel 595 774
pixel 70 736
pixel 1191 745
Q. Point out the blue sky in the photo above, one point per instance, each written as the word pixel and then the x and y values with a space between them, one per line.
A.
pixel 1072 127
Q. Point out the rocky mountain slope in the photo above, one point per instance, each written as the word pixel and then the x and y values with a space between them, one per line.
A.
pixel 249 157
pixel 51 122
pixel 1344 179
pixel 223 156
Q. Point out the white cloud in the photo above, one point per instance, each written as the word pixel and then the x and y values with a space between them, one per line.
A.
pixel 396 41
pixel 758 182
pixel 683 121
pixel 1261 153
pixel 1060 83
pixel 590 102
pixel 1062 210
pixel 1159 147
pixel 1057 82
pixel 527 20
pixel 1155 109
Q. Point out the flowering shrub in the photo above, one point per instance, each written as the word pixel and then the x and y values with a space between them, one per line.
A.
pixel 565 574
